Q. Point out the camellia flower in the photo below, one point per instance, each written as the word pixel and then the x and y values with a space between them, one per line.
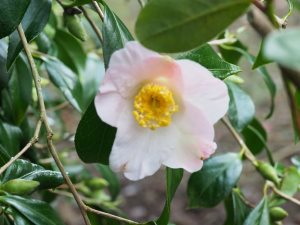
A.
pixel 164 111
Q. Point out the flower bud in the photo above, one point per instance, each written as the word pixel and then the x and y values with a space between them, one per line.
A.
pixel 277 214
pixel 20 186
pixel 268 172
pixel 73 23
pixel 97 183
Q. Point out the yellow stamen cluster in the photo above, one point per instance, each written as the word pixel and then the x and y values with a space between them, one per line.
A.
pixel 154 106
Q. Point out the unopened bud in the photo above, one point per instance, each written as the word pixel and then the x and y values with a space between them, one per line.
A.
pixel 268 172
pixel 20 186
pixel 97 183
pixel 277 214
pixel 74 26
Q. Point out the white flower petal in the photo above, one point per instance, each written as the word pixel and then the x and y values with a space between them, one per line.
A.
pixel 108 107
pixel 203 90
pixel 134 151
pixel 134 65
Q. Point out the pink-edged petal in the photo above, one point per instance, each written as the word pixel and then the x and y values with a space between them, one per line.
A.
pixel 130 55
pixel 108 107
pixel 130 68
pixel 203 90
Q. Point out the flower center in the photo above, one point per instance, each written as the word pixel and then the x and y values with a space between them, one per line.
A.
pixel 154 106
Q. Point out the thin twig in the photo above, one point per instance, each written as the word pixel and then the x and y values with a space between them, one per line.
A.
pixel 37 81
pixel 240 141
pixel 259 5
pixel 33 140
pixel 89 209
pixel 285 196
pixel 98 10
pixel 92 23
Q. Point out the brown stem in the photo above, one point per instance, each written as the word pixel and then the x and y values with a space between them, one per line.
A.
pixel 38 87
pixel 240 141
pixel 98 10
pixel 93 25
pixel 283 195
pixel 37 80
pixel 259 5
pixel 33 140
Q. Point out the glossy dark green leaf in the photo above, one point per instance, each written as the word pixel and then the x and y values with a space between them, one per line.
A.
pixel 33 22
pixel 11 14
pixel 19 219
pixel 94 138
pixel 22 169
pixel 64 79
pixel 115 34
pixel 18 95
pixel 284 48
pixel 4 76
pixel 173 177
pixel 10 138
pixel 262 70
pixel 259 215
pixel 4 156
pixel 207 57
pixel 241 107
pixel 38 212
pixel 260 60
pixel 166 26
pixel 214 182
pixel 237 209
pixel 110 176
pixel 70 52
pixel 255 136
pixel 230 55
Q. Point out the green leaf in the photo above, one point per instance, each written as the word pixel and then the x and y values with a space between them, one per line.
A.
pixel 236 208
pixel 241 107
pixel 11 14
pixel 38 212
pixel 19 219
pixel 70 52
pixel 94 138
pixel 255 136
pixel 10 138
pixel 64 79
pixel 214 182
pixel 260 59
pixel 231 55
pixel 173 177
pixel 90 79
pixel 33 22
pixel 259 215
pixel 171 27
pixel 262 70
pixel 22 169
pixel 289 185
pixel 284 48
pixel 207 57
pixel 115 34
pixel 18 95
pixel 4 156
pixel 290 181
pixel 4 76
pixel 110 176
